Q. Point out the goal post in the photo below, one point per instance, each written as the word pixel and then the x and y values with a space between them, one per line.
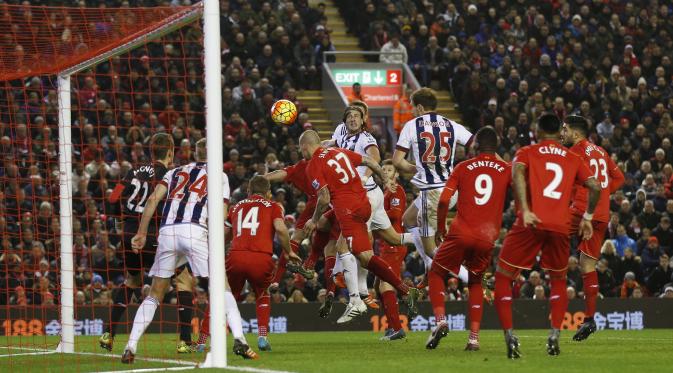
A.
pixel 217 357
pixel 69 71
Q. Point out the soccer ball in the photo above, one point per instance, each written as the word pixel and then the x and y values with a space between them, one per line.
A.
pixel 284 112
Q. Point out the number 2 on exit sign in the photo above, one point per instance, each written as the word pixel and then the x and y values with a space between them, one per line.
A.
pixel 394 77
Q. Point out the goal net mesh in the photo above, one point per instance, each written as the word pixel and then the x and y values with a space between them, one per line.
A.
pixel 139 72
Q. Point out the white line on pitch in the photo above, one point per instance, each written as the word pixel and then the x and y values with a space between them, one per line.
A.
pixel 140 358
pixel 610 338
pixel 150 370
pixel 28 353
pixel 257 370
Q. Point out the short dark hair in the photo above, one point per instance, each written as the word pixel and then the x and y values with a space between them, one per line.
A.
pixel 357 84
pixel 577 123
pixel 160 144
pixel 487 138
pixel 425 97
pixel 259 185
pixel 387 162
pixel 549 123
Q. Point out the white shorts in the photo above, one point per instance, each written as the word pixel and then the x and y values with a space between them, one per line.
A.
pixel 378 220
pixel 180 244
pixel 426 202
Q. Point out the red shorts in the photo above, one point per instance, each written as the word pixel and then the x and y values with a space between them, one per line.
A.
pixel 522 246
pixel 252 266
pixel 394 256
pixel 353 223
pixel 592 246
pixel 474 253
pixel 307 214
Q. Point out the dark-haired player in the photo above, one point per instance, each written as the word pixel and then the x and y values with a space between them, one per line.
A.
pixel 611 178
pixel 432 139
pixel 543 178
pixel 133 193
pixel 481 184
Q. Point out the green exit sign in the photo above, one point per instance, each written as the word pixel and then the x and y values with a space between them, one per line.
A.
pixel 367 77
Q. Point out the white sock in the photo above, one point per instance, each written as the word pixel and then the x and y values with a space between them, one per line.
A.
pixel 233 316
pixel 362 281
pixel 416 235
pixel 142 320
pixel 463 274
pixel 338 266
pixel 350 265
pixel 407 239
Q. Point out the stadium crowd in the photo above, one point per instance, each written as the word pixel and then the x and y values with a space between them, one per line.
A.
pixel 505 63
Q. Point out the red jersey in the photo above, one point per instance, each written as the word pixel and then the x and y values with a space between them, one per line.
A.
pixel 335 169
pixel 605 171
pixel 252 223
pixel 296 175
pixel 551 172
pixel 395 203
pixel 481 183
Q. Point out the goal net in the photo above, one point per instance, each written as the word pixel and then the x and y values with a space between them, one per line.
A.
pixel 106 79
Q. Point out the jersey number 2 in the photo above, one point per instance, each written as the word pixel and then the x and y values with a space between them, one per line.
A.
pixel 250 221
pixel 550 191
pixel 429 155
pixel 337 167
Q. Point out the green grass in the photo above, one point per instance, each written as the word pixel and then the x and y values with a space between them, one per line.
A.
pixel 606 351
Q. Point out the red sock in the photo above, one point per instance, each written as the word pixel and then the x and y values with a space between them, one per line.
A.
pixel 590 292
pixel 330 261
pixel 558 301
pixel 503 300
pixel 391 308
pixel 437 289
pixel 476 303
pixel 282 263
pixel 319 241
pixel 383 271
pixel 204 329
pixel 263 315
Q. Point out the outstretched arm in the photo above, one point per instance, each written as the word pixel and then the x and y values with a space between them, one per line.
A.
pixel 400 162
pixel 324 199
pixel 375 167
pixel 138 242
pixel 284 238
pixel 277 176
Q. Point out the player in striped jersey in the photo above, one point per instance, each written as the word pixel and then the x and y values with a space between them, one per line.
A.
pixel 357 139
pixel 133 193
pixel 183 238
pixel 432 139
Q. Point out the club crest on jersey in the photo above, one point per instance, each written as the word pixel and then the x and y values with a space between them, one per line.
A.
pixel 315 184
pixel 395 202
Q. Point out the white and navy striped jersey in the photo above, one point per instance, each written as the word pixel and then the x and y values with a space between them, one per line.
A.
pixel 187 200
pixel 432 140
pixel 358 143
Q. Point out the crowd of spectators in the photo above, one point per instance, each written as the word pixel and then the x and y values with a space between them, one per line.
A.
pixel 504 61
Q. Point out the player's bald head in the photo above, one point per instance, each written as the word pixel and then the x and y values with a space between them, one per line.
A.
pixel 309 137
pixel 309 141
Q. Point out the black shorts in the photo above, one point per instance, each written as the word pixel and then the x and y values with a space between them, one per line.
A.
pixel 137 263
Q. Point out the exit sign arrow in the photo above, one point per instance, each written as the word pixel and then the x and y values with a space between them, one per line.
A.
pixel 378 79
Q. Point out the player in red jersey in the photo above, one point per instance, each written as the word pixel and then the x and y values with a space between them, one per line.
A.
pixel 394 202
pixel 296 175
pixel 254 222
pixel 336 181
pixel 611 178
pixel 481 184
pixel 543 178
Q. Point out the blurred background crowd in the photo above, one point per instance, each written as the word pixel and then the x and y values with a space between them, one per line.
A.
pixel 505 63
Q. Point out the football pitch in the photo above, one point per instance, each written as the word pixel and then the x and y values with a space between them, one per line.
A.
pixel 605 351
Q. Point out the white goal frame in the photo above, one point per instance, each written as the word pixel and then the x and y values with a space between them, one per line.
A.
pixel 210 12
